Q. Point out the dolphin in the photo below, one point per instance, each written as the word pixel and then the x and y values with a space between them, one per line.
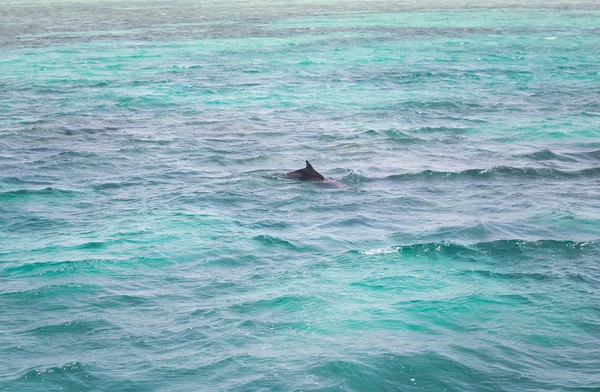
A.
pixel 307 174
pixel 310 174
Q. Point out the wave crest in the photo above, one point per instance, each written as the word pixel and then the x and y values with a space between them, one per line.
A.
pixel 487 247
pixel 498 171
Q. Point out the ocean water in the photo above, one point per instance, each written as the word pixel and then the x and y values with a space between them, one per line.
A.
pixel 150 242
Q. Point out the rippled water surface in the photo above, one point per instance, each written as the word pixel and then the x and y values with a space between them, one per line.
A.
pixel 149 241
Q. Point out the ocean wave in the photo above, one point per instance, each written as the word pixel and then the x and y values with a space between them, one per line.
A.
pixel 402 137
pixel 75 376
pixel 541 244
pixel 593 155
pixel 356 178
pixel 391 371
pixel 486 247
pixel 53 268
pixel 442 105
pixel 274 241
pixel 48 291
pixel 68 368
pixel 571 156
pixel 21 181
pixel 394 135
pixel 77 154
pixel 290 302
pixel 442 129
pixel 45 192
pixel 379 251
pixel 71 327
pixel 498 171
pixel 117 185
pixel 546 155
pixel 28 224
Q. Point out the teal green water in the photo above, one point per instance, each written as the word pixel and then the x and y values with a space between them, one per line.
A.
pixel 149 241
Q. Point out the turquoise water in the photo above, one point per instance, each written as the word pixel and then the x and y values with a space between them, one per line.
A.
pixel 149 242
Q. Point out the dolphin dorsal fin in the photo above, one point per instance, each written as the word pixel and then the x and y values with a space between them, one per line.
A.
pixel 307 174
pixel 311 172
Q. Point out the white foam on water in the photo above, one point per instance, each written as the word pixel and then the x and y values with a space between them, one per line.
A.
pixel 378 251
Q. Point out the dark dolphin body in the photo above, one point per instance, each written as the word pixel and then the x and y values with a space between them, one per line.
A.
pixel 307 174
pixel 310 174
